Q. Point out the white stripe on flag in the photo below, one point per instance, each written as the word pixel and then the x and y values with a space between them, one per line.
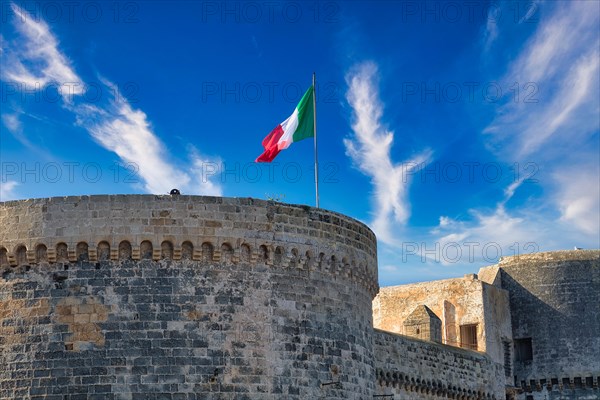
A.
pixel 288 126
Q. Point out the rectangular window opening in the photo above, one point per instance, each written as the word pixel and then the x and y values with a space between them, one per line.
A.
pixel 507 358
pixel 468 336
pixel 523 349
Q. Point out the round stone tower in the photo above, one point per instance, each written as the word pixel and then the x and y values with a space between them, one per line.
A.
pixel 555 312
pixel 184 297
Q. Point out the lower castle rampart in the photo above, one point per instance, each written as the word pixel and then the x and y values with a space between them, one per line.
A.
pixel 188 297
pixel 409 368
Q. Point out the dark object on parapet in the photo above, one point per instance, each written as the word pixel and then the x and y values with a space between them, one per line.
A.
pixel 174 192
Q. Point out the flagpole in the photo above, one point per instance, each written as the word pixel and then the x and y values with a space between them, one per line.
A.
pixel 315 139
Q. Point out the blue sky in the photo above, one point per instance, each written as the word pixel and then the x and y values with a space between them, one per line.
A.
pixel 458 131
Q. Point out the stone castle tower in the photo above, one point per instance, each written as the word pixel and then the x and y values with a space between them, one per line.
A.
pixel 145 296
pixel 189 297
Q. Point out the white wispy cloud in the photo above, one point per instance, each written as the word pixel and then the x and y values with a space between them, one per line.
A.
pixel 554 125
pixel 7 190
pixel 488 234
pixel 369 148
pixel 532 9
pixel 35 62
pixel 502 16
pixel 560 120
pixel 556 128
pixel 577 194
pixel 559 128
pixel 127 132
pixel 204 171
pixel 34 59
pixel 491 31
pixel 557 71
pixel 12 123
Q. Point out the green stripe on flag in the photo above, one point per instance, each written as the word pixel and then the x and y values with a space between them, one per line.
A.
pixel 306 117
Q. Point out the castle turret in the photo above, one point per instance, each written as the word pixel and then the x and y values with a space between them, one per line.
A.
pixel 555 312
pixel 146 296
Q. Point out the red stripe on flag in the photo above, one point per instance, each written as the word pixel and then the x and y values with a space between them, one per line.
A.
pixel 270 145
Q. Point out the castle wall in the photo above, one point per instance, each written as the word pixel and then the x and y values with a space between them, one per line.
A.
pixel 412 369
pixel 498 329
pixel 188 297
pixel 131 297
pixel 555 302
pixel 457 302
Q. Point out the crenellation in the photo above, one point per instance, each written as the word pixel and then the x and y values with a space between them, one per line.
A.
pixel 534 316
pixel 113 248
pixel 21 255
pixel 30 257
pixel 136 296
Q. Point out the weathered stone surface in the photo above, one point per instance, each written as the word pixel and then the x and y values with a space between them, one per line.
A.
pixel 269 311
pixel 555 301
pixel 457 302
pixel 410 368
pixel 548 303
pixel 187 297
pixel 423 324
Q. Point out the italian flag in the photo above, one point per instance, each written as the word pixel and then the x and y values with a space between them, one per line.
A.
pixel 298 126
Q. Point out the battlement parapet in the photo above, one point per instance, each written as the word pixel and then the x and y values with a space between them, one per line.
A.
pixel 412 368
pixel 213 229
pixel 586 381
pixel 548 257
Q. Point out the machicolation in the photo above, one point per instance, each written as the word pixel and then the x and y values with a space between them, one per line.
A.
pixel 130 296
pixel 190 297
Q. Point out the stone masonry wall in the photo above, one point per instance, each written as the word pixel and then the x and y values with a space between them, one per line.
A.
pixel 412 369
pixel 555 301
pixel 499 343
pixel 459 301
pixel 160 297
pixel 455 301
